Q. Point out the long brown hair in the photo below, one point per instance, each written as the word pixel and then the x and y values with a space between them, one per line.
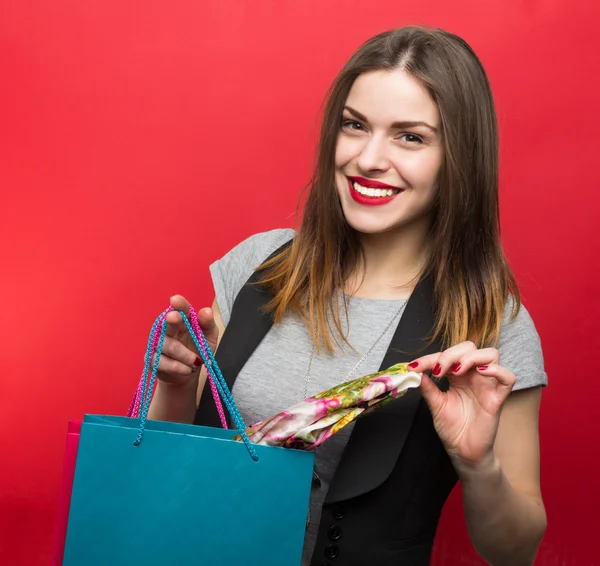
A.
pixel 472 279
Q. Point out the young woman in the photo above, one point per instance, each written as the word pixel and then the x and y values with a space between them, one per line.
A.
pixel 397 258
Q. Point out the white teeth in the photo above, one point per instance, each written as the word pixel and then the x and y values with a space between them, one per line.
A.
pixel 369 192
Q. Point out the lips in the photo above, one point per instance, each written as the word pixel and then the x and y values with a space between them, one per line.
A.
pixel 370 192
pixel 372 183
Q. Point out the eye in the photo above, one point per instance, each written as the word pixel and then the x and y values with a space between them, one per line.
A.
pixel 352 126
pixel 411 138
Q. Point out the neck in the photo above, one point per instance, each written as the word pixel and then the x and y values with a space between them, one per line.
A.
pixel 393 263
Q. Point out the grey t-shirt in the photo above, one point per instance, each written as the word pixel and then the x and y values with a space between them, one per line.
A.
pixel 275 377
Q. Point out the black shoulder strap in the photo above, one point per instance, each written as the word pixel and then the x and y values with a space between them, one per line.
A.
pixel 377 440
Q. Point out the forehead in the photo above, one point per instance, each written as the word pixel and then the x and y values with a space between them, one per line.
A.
pixel 388 96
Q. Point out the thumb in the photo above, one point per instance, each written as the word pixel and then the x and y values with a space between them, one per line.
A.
pixel 433 395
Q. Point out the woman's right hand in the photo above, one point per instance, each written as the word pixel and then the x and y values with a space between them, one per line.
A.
pixel 180 362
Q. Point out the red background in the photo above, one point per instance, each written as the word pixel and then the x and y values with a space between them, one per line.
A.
pixel 141 140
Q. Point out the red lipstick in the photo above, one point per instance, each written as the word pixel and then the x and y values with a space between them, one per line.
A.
pixel 370 184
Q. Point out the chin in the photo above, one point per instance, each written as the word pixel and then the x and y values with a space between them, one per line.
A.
pixel 391 217
pixel 371 226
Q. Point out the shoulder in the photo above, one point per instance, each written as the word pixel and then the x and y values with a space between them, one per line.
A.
pixel 230 272
pixel 259 246
pixel 520 348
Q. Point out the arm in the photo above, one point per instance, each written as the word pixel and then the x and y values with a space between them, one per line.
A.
pixel 491 435
pixel 177 402
pixel 502 499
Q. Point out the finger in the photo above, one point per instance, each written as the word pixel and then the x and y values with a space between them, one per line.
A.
pixel 175 324
pixel 450 360
pixel 486 356
pixel 433 395
pixel 441 362
pixel 167 365
pixel 506 379
pixel 179 303
pixel 209 327
pixel 173 318
pixel 177 351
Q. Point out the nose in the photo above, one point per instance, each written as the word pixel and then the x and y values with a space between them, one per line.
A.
pixel 373 157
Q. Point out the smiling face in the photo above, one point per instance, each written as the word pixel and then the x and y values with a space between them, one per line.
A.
pixel 389 152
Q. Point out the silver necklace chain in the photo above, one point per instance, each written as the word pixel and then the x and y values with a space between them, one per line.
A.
pixel 313 351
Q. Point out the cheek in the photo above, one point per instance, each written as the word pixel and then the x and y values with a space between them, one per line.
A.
pixel 344 151
pixel 422 170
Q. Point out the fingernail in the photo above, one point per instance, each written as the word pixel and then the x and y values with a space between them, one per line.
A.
pixel 456 368
pixel 413 364
pixel 482 368
pixel 437 369
pixel 197 362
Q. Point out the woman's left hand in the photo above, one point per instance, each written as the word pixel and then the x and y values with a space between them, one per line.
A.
pixel 466 416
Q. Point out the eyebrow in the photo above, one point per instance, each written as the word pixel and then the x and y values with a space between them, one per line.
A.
pixel 395 125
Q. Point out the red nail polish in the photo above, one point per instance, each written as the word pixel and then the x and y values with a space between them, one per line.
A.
pixel 437 369
pixel 482 368
pixel 456 368
pixel 413 364
pixel 197 362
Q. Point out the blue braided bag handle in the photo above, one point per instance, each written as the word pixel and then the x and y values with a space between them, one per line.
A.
pixel 208 358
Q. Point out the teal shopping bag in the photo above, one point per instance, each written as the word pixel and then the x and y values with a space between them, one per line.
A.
pixel 160 494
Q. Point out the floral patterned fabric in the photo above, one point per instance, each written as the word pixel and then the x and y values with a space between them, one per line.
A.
pixel 311 422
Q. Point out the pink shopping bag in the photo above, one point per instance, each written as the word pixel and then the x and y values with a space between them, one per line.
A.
pixel 64 500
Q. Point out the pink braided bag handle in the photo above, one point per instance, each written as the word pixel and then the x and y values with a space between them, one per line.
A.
pixel 134 407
